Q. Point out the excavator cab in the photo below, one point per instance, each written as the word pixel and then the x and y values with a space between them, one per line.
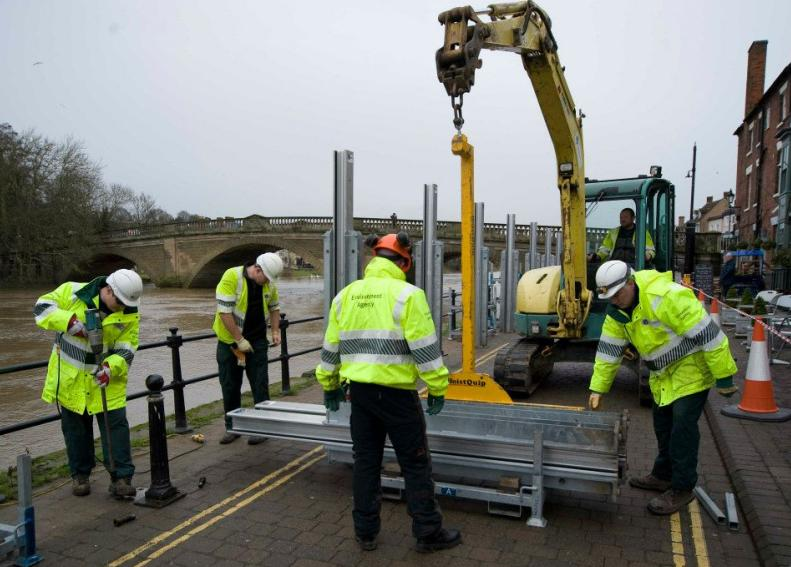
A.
pixel 652 200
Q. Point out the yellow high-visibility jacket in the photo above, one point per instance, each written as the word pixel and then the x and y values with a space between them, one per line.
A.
pixel 380 331
pixel 231 296
pixel 72 363
pixel 683 348
pixel 608 244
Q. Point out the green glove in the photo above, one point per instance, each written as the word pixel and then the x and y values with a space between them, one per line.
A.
pixel 725 386
pixel 435 404
pixel 333 399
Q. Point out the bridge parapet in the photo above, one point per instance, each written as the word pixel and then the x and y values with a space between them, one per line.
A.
pixel 298 224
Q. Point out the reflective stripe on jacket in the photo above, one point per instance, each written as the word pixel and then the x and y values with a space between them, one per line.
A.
pixel 380 331
pixel 72 363
pixel 231 296
pixel 678 341
pixel 608 244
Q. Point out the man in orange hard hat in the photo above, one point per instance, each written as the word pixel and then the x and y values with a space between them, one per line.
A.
pixel 380 338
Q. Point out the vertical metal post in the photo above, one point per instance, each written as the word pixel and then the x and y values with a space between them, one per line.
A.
pixel 547 246
pixel 174 343
pixel 481 304
pixel 161 492
pixel 428 273
pixel 285 371
pixel 343 214
pixel 537 519
pixel 27 518
pixel 507 275
pixel 533 246
pixel 559 248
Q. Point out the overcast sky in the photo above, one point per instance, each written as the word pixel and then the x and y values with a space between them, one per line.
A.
pixel 235 107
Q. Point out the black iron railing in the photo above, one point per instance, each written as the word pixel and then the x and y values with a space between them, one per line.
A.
pixel 174 341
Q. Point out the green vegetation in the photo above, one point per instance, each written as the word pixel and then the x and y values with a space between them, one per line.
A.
pixel 53 466
pixel 747 297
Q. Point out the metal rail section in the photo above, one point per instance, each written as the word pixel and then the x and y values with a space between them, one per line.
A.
pixel 478 449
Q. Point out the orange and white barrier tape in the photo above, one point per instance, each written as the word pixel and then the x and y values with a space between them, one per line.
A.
pixel 768 328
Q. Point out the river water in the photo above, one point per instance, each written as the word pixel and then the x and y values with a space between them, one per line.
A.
pixel 190 310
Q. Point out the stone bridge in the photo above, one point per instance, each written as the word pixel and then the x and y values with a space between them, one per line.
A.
pixel 194 254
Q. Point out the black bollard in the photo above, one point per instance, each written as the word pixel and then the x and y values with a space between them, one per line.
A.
pixel 285 370
pixel 174 343
pixel 161 492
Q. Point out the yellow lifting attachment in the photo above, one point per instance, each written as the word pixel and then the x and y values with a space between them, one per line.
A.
pixel 467 384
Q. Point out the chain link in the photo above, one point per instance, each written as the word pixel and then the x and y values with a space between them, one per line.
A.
pixel 458 120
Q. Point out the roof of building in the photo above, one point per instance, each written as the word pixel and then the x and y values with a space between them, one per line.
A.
pixel 784 74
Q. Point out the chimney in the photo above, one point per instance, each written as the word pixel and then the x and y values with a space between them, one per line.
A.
pixel 681 220
pixel 725 195
pixel 756 71
pixel 709 199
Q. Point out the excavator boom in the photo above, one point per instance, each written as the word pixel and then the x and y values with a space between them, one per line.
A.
pixel 524 28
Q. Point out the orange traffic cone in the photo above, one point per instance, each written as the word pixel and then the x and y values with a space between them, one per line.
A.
pixel 758 400
pixel 702 298
pixel 715 311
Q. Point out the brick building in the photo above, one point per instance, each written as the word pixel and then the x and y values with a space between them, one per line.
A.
pixel 763 184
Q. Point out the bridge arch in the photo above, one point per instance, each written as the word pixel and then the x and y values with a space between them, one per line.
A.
pixel 101 264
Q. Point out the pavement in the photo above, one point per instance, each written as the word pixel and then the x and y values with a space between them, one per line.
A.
pixel 282 503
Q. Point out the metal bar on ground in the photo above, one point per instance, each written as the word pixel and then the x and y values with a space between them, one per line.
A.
pixel 709 505
pixel 730 510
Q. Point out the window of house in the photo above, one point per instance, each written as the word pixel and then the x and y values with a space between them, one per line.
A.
pixel 749 191
pixel 751 138
pixel 767 113
pixel 782 169
pixel 783 102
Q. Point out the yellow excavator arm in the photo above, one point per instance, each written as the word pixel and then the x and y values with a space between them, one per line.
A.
pixel 524 28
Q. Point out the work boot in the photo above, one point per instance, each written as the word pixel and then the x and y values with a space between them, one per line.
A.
pixel 442 539
pixel 122 488
pixel 229 438
pixel 670 501
pixel 80 486
pixel 366 543
pixel 255 440
pixel 649 482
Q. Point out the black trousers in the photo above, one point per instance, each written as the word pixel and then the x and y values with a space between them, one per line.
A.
pixel 678 438
pixel 78 434
pixel 231 373
pixel 378 411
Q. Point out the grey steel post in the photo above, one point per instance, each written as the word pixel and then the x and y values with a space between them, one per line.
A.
pixel 508 276
pixel 533 246
pixel 428 259
pixel 547 246
pixel 481 305
pixel 342 244
pixel 559 248
pixel 537 519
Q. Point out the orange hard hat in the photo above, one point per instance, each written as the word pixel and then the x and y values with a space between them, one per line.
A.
pixel 398 243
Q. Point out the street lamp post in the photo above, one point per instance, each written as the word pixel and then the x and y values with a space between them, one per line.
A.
pixel 689 245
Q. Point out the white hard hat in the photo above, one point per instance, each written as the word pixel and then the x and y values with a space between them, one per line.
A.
pixel 611 277
pixel 127 286
pixel 271 264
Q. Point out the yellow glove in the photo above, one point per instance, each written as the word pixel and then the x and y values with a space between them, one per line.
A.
pixel 594 400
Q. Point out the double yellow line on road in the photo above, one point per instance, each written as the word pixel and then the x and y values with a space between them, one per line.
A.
pixel 258 489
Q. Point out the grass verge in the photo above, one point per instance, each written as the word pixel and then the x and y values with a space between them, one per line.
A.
pixel 54 466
